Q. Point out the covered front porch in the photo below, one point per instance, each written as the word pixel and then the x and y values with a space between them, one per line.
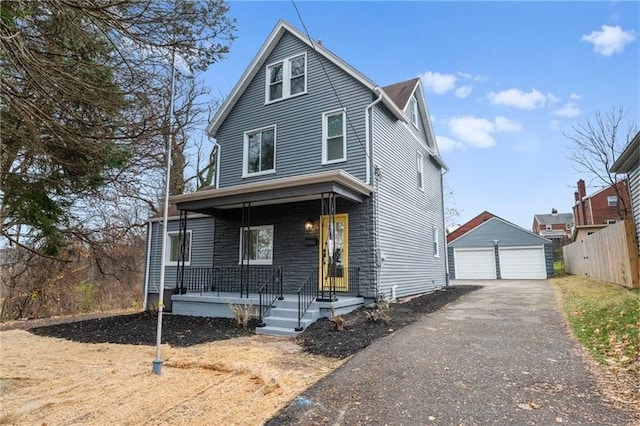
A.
pixel 282 247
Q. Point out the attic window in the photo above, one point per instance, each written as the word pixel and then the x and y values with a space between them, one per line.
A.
pixel 414 111
pixel 286 78
pixel 549 227
pixel 612 201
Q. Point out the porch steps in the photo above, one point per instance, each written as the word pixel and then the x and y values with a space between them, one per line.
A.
pixel 282 319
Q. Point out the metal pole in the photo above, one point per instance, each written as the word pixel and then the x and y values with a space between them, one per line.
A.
pixel 157 363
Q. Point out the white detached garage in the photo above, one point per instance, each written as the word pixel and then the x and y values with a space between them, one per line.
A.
pixel 498 249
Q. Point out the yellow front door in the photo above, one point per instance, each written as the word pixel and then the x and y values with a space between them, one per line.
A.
pixel 334 253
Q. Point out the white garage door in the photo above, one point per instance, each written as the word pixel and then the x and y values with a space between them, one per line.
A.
pixel 475 263
pixel 522 263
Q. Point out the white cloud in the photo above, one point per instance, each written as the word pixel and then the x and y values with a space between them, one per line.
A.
pixel 575 96
pixel 466 75
pixel 475 132
pixel 438 83
pixel 569 110
pixel 447 144
pixel 552 99
pixel 610 40
pixel 505 125
pixel 554 124
pixel 516 98
pixel 463 91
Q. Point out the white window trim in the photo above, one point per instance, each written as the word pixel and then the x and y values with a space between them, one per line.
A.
pixel 413 105
pixel 256 261
pixel 286 78
pixel 245 152
pixel 420 168
pixel 187 262
pixel 613 198
pixel 436 242
pixel 325 134
pixel 548 227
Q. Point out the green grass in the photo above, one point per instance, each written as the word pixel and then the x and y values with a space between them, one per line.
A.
pixel 558 266
pixel 605 319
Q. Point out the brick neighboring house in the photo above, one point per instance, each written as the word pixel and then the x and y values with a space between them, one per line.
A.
pixel 607 206
pixel 473 223
pixel 555 226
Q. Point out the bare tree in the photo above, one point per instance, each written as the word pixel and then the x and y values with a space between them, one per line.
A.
pixel 451 212
pixel 596 144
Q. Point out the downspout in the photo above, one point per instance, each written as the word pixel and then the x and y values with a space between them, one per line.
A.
pixel 147 266
pixel 444 225
pixel 370 177
pixel 368 134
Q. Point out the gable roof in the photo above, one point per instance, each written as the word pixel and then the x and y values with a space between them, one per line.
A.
pixel 401 92
pixel 502 222
pixel 553 219
pixel 629 157
pixel 469 225
pixel 258 61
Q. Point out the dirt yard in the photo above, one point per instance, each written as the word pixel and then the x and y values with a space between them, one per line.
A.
pixel 242 381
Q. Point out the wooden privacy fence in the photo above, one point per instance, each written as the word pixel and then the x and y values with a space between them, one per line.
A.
pixel 610 255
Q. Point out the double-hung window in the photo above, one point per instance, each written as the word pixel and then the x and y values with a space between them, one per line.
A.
pixel 286 78
pixel 174 246
pixel 334 140
pixel 256 245
pixel 259 151
pixel 414 111
pixel 612 201
pixel 436 242
pixel 420 170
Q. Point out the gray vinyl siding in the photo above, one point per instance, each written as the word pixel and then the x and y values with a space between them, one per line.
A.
pixel 290 246
pixel 495 229
pixel 202 229
pixel 634 190
pixel 548 257
pixel 407 215
pixel 298 120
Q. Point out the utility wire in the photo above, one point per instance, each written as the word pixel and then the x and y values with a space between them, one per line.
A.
pixel 335 92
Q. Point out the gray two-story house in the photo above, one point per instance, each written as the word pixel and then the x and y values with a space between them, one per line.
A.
pixel 328 194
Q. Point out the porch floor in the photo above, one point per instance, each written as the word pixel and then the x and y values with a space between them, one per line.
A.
pixel 281 319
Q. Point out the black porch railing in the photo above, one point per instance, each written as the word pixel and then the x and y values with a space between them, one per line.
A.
pixel 228 279
pixel 269 292
pixel 347 283
pixel 307 293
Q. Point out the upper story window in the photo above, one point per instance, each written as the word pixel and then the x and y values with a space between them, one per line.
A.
pixel 569 226
pixel 259 151
pixel 286 78
pixel 612 201
pixel 414 111
pixel 420 170
pixel 334 140
pixel 174 248
pixel 549 227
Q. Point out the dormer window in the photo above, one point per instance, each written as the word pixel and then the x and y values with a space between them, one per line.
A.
pixel 414 111
pixel 286 78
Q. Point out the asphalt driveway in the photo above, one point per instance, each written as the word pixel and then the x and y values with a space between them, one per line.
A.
pixel 500 355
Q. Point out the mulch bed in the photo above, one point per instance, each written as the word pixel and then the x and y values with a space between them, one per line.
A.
pixel 319 338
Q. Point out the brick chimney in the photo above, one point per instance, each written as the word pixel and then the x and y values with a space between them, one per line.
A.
pixel 576 196
pixel 582 192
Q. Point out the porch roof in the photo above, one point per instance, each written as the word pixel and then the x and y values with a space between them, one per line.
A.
pixel 275 191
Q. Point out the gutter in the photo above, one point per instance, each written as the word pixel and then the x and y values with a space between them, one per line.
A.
pixel 444 231
pixel 368 133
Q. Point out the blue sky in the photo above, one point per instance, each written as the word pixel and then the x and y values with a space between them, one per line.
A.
pixel 503 81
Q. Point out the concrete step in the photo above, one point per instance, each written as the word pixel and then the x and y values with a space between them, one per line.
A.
pixel 276 331
pixel 287 322
pixel 292 313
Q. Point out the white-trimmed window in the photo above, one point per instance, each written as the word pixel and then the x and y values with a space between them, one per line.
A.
pixel 259 151
pixel 436 242
pixel 286 78
pixel 612 201
pixel 334 137
pixel 569 226
pixel 420 170
pixel 548 227
pixel 256 245
pixel 611 221
pixel 174 246
pixel 414 111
